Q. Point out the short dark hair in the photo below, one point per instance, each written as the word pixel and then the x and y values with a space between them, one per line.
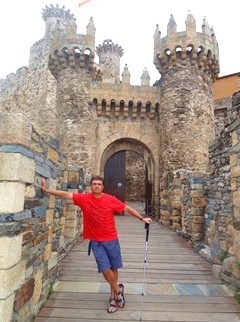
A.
pixel 96 177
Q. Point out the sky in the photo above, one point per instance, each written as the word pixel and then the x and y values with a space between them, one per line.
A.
pixel 129 23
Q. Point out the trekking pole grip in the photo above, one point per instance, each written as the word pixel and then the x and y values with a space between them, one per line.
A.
pixel 147 230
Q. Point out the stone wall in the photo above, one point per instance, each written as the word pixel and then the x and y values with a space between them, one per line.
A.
pixel 135 179
pixel 183 202
pixel 222 224
pixel 36 230
pixel 221 108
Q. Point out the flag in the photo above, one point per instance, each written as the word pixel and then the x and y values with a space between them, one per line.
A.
pixel 82 2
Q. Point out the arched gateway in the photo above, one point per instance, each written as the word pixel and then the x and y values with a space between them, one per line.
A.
pixel 128 166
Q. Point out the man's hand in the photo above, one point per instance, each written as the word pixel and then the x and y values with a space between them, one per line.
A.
pixel 147 220
pixel 44 185
pixel 57 193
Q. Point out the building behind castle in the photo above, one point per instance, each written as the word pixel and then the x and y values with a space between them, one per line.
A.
pixel 173 146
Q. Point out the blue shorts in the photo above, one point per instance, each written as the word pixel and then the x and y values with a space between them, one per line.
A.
pixel 107 254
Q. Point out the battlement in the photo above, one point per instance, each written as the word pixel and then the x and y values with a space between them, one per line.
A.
pixel 109 60
pixel 13 81
pixel 108 46
pixel 57 12
pixel 187 47
pixel 73 57
pixel 130 109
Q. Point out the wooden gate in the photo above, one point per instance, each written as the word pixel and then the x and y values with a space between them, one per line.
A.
pixel 114 175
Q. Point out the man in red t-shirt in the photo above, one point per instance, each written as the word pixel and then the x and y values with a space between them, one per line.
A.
pixel 98 210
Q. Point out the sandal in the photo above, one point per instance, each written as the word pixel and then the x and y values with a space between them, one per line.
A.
pixel 112 308
pixel 120 301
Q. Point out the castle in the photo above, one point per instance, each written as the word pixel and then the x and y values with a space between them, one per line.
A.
pixel 170 146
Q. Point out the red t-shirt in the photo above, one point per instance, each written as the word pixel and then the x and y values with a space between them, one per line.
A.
pixel 98 215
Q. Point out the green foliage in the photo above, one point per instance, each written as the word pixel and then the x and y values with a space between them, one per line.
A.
pixel 237 296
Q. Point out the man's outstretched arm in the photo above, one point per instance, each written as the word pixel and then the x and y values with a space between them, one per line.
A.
pixel 57 193
pixel 134 213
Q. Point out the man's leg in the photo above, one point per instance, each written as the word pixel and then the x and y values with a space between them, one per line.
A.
pixel 111 276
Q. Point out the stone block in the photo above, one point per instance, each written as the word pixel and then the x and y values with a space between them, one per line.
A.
pixel 52 202
pixel 73 177
pixel 236 199
pixel 177 205
pixel 37 286
pixel 6 308
pixel 52 155
pixel 47 252
pixel 197 193
pixel 71 214
pixel 71 223
pixel 50 233
pixel 72 207
pixel 70 232
pixel 11 251
pixel 199 202
pixel 61 241
pixel 236 212
pixel 16 167
pixel 234 138
pixel 12 123
pixel 197 211
pixel 12 197
pixel 197 228
pixel 235 171
pixel 10 280
pixel 198 219
pixel 24 294
pixel 233 160
pixel 53 261
pixel 49 216
pixel 234 184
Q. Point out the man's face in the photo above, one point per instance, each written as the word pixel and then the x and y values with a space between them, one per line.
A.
pixel 97 186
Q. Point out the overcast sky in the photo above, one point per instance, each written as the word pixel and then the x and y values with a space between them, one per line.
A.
pixel 128 23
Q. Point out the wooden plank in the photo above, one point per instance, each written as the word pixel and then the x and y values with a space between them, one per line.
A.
pixel 148 306
pixel 171 263
pixel 123 315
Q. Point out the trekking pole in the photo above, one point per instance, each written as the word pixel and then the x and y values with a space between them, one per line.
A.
pixel 144 270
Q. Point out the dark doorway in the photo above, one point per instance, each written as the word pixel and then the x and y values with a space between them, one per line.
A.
pixel 148 195
pixel 114 175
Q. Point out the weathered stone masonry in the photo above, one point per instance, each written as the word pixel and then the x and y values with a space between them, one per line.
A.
pixel 64 116
pixel 35 230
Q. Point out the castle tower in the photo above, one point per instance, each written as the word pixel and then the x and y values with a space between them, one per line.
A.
pixel 126 75
pixel 109 60
pixel 145 78
pixel 71 62
pixel 42 85
pixel 188 64
pixel 58 21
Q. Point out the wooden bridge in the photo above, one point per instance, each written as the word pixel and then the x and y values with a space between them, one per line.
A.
pixel 179 285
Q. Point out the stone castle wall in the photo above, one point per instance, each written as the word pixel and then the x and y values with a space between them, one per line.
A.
pixel 36 231
pixel 63 117
pixel 222 231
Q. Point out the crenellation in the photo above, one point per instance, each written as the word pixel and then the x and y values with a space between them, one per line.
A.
pixel 181 48
pixel 129 109
pixel 57 12
pixel 64 117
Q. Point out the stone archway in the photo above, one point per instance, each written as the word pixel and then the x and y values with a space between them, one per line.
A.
pixel 135 146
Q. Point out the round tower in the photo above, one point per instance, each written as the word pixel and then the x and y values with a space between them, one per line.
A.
pixel 188 64
pixel 71 62
pixel 109 60
pixel 58 19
